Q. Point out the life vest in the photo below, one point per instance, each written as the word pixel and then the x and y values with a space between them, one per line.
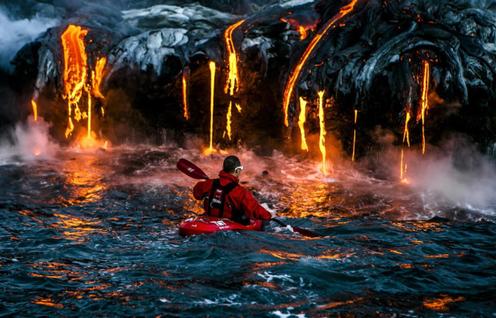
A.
pixel 216 204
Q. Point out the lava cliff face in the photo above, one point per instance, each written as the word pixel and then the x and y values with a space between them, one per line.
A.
pixel 367 56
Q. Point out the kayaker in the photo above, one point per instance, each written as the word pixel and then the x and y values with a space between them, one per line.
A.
pixel 226 198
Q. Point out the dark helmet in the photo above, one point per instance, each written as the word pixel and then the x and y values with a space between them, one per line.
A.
pixel 231 163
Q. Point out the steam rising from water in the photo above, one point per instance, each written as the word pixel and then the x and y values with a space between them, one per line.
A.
pixel 30 141
pixel 461 178
pixel 14 34
pixel 438 184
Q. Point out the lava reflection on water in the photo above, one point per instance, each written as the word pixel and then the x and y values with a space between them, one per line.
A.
pixel 441 303
pixel 77 229
pixel 84 177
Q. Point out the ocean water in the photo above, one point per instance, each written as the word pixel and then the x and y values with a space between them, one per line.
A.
pixel 95 233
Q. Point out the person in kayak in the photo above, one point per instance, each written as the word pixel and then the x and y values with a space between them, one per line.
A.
pixel 225 198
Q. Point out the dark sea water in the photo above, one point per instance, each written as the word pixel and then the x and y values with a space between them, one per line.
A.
pixel 95 234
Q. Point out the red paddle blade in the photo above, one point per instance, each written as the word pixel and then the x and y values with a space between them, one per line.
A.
pixel 190 169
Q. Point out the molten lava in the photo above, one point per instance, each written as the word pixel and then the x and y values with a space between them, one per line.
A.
pixel 211 65
pixel 88 134
pixel 97 77
pixel 303 32
pixel 302 29
pixel 301 123
pixel 354 135
pixel 425 100
pixel 185 96
pixel 406 139
pixel 35 109
pixel 228 121
pixel 232 84
pixel 293 78
pixel 406 131
pixel 322 132
pixel 75 70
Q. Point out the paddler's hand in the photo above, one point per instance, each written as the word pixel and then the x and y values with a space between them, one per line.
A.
pixel 272 212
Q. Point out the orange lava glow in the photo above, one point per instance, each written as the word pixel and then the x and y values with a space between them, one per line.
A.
pixel 228 121
pixel 47 301
pixel 425 99
pixel 303 29
pixel 85 184
pixel 34 105
pixel 406 139
pixel 295 74
pixel 88 135
pixel 232 84
pixel 303 32
pixel 211 65
pixel 301 123
pixel 354 135
pixel 185 96
pixel 336 304
pixel 75 71
pixel 406 131
pixel 322 134
pixel 228 131
pixel 97 77
pixel 76 229
pixel 441 303
pixel 403 168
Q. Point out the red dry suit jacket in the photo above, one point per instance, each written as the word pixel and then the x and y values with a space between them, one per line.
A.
pixel 239 198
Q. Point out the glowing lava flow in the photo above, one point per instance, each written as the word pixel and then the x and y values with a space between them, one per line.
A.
pixel 35 109
pixel 322 132
pixel 75 71
pixel 185 96
pixel 228 121
pixel 232 84
pixel 88 132
pixel 406 138
pixel 211 65
pixel 406 132
pixel 354 135
pixel 303 32
pixel 293 78
pixel 97 77
pixel 301 123
pixel 425 100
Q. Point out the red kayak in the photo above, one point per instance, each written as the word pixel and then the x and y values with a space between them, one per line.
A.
pixel 210 224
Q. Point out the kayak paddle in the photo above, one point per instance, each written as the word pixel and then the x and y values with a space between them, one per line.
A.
pixel 303 232
pixel 193 171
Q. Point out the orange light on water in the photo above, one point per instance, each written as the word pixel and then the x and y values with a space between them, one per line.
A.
pixel 441 303
pixel 295 74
